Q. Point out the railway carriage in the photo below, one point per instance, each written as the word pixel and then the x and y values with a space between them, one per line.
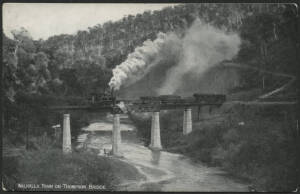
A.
pixel 162 99
pixel 210 98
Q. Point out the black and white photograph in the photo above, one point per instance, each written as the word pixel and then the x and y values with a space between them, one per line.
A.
pixel 155 97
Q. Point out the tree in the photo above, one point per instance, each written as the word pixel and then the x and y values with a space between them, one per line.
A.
pixel 258 31
pixel 9 68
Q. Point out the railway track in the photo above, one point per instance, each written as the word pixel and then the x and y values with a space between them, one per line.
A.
pixel 268 94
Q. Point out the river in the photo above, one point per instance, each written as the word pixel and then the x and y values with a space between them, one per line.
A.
pixel 163 171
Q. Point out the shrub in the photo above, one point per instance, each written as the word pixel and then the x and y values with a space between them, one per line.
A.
pixel 51 166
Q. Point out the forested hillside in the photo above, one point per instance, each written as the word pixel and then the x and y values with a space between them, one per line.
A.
pixel 81 63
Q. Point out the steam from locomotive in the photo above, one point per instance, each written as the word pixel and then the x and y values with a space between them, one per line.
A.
pixel 201 47
pixel 137 63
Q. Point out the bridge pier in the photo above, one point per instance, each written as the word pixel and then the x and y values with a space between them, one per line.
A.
pixel 187 121
pixel 116 136
pixel 67 147
pixel 155 132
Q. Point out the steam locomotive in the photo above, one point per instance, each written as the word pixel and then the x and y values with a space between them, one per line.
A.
pixel 104 99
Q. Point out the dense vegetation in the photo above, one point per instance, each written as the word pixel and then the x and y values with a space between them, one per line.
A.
pixel 65 69
pixel 50 166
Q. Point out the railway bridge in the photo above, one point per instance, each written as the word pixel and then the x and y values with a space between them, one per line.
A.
pixel 144 104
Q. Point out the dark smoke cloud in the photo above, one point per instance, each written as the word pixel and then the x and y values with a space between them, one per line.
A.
pixel 203 46
pixel 184 65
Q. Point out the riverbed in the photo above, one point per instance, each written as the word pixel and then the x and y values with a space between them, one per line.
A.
pixel 163 171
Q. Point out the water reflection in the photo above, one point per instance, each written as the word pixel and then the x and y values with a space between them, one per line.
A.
pixel 163 170
pixel 155 154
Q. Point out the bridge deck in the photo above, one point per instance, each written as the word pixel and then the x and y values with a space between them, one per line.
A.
pixel 81 107
pixel 164 106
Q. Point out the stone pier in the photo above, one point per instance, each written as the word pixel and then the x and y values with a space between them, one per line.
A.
pixel 67 147
pixel 116 136
pixel 187 121
pixel 155 132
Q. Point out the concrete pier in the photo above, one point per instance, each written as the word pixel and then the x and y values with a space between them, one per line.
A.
pixel 187 121
pixel 155 132
pixel 67 147
pixel 116 136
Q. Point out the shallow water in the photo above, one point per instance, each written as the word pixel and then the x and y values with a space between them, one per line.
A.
pixel 164 171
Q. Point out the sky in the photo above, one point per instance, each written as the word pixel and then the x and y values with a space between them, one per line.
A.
pixel 43 20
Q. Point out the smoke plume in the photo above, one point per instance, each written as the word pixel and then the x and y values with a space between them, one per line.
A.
pixel 203 46
pixel 138 63
pixel 171 63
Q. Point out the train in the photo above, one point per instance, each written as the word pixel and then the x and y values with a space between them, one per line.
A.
pixel 108 99
pixel 162 99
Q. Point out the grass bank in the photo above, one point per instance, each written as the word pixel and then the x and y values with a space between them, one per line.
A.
pixel 255 143
pixel 50 166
